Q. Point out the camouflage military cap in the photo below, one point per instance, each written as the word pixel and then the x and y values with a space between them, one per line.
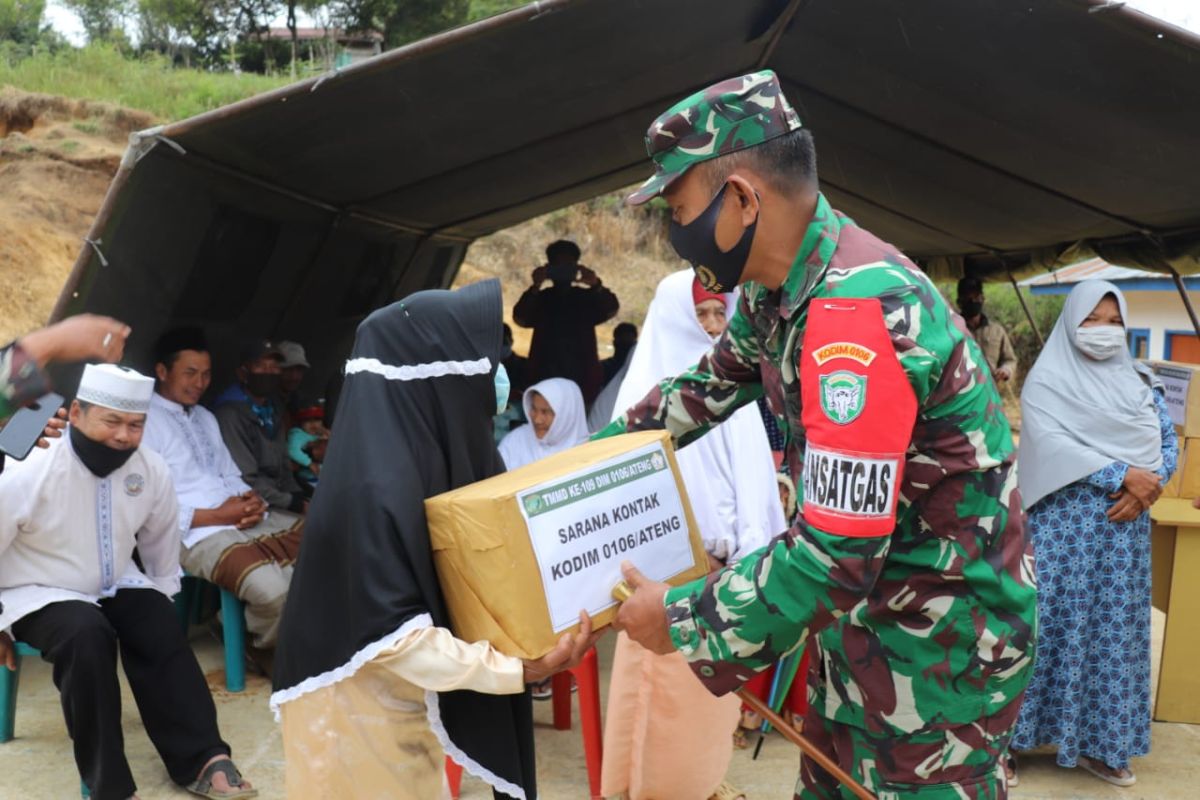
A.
pixel 727 116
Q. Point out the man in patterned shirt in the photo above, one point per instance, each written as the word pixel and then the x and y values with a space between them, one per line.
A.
pixel 908 564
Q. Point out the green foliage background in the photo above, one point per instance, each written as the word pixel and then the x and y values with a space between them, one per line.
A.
pixel 1001 305
pixel 148 82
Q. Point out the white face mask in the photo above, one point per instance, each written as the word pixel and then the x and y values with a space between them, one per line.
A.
pixel 1100 342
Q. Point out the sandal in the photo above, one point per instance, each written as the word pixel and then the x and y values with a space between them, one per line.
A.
pixel 1117 777
pixel 741 739
pixel 1010 771
pixel 727 791
pixel 203 786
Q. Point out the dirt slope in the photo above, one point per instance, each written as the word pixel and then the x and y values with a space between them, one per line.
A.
pixel 57 157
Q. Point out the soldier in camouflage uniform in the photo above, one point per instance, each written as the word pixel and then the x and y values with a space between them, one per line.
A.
pixel 909 565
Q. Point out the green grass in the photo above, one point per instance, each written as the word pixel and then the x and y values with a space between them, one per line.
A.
pixel 148 83
pixel 1002 305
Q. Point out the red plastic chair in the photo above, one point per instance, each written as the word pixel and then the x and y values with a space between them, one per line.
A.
pixel 453 777
pixel 587 678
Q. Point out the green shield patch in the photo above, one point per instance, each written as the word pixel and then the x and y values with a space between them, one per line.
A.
pixel 843 396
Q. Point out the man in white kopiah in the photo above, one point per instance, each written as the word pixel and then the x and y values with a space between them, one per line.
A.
pixel 228 536
pixel 70 518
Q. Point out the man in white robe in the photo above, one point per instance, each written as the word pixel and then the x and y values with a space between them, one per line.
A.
pixel 70 518
pixel 228 536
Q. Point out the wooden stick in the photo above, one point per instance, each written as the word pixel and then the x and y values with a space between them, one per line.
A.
pixel 806 747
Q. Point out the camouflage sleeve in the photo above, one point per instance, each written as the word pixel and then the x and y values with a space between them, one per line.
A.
pixel 742 619
pixel 20 380
pixel 687 405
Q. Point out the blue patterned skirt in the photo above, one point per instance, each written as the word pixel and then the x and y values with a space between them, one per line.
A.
pixel 1090 693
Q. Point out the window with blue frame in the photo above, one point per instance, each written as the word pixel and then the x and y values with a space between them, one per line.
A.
pixel 1139 342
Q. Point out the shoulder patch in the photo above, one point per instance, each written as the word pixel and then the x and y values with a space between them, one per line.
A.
pixel 843 395
pixel 850 350
pixel 850 485
pixel 858 411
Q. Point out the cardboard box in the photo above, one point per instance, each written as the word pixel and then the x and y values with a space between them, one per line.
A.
pixel 1188 471
pixel 1182 384
pixel 518 555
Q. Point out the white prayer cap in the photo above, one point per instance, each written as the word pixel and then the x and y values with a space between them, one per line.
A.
pixel 118 388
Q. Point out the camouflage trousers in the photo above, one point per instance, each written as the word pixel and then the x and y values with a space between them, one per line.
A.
pixel 947 763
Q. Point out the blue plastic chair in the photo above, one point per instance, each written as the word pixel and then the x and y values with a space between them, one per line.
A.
pixel 233 623
pixel 9 681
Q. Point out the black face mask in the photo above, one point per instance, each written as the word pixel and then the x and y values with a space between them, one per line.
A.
pixel 99 458
pixel 970 308
pixel 262 384
pixel 716 269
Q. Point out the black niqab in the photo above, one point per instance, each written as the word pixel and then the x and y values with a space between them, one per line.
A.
pixel 365 565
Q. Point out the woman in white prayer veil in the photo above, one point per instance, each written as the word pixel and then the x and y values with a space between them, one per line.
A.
pixel 665 734
pixel 557 421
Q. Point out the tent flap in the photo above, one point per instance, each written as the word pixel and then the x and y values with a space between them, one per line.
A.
pixel 977 137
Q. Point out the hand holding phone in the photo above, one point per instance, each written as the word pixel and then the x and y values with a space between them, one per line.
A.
pixel 28 425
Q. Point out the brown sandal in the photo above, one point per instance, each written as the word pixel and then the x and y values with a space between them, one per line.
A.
pixel 203 785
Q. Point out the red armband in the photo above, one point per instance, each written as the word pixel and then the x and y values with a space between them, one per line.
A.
pixel 858 410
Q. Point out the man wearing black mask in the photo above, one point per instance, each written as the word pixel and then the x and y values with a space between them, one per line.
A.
pixel 70 517
pixel 251 416
pixel 992 337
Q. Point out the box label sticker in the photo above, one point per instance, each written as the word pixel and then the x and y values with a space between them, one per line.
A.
pixel 1176 383
pixel 585 524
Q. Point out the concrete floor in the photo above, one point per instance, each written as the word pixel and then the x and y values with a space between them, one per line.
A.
pixel 38 762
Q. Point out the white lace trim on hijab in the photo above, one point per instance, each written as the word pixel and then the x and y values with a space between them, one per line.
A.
pixel 347 670
pixel 433 713
pixel 417 372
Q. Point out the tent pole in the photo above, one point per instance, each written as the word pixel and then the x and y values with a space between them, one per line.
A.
pixel 1025 308
pixel 1187 301
pixel 70 290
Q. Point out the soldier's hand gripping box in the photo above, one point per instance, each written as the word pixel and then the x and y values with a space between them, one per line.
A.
pixel 520 554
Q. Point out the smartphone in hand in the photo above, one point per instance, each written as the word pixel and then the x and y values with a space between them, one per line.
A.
pixel 25 427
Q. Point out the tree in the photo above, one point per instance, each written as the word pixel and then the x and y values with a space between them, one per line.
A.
pixel 401 21
pixel 186 29
pixel 490 8
pixel 103 20
pixel 21 20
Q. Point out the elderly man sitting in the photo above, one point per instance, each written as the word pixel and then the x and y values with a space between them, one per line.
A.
pixel 70 518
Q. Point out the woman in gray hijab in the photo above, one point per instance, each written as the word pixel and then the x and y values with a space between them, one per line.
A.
pixel 1097 446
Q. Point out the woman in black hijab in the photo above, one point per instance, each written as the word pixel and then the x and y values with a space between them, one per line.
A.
pixel 370 683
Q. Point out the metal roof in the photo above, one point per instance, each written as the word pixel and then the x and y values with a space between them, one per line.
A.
pixel 1060 281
